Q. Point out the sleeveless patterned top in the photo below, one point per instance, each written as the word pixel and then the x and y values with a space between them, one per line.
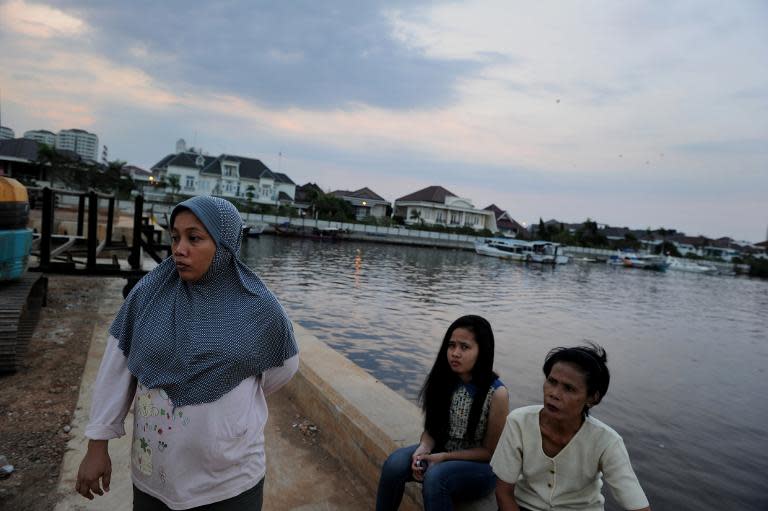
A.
pixel 461 405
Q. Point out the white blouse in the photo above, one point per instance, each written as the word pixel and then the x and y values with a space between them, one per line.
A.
pixel 572 479
pixel 192 455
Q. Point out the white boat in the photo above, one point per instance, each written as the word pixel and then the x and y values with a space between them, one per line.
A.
pixel 543 252
pixel 634 260
pixel 253 230
pixel 678 264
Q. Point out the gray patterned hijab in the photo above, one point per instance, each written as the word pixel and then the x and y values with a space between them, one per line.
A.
pixel 199 340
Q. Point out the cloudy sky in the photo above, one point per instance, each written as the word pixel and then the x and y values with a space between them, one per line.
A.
pixel 633 113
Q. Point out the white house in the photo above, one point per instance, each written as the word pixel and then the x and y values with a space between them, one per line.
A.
pixel 228 176
pixel 365 201
pixel 435 205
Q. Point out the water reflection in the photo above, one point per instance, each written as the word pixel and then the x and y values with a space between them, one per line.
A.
pixel 688 352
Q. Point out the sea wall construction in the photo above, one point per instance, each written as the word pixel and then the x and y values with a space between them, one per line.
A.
pixel 365 419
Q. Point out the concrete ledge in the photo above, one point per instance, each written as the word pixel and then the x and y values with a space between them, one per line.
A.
pixel 362 419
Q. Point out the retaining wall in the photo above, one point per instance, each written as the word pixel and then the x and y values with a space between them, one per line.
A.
pixel 362 419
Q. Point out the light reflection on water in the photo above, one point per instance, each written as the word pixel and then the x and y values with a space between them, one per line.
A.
pixel 688 353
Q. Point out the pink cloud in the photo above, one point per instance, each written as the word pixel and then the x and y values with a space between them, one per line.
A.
pixel 38 20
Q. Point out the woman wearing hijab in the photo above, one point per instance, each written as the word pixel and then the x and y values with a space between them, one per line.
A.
pixel 197 346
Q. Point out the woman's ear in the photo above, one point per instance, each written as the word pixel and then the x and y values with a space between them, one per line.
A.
pixel 594 399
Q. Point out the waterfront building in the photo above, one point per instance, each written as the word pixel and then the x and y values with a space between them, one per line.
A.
pixel 226 175
pixel 142 178
pixel 366 202
pixel 505 223
pixel 722 248
pixel 305 194
pixel 18 158
pixel 43 136
pixel 6 133
pixel 761 251
pixel 434 205
pixel 85 144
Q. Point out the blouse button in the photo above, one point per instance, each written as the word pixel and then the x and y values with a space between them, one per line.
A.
pixel 549 484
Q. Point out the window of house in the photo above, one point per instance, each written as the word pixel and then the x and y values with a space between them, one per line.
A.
pixel 190 182
pixel 229 170
pixel 454 217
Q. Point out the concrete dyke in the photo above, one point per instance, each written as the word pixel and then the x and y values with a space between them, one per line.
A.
pixel 363 419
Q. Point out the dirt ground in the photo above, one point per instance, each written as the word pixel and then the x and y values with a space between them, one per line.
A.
pixel 37 405
pixel 38 401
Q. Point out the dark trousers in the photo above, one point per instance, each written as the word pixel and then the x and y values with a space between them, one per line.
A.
pixel 249 500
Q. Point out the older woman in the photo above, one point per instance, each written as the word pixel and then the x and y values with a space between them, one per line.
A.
pixel 552 457
pixel 197 345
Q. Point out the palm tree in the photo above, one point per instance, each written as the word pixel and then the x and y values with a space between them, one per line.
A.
pixel 250 193
pixel 174 183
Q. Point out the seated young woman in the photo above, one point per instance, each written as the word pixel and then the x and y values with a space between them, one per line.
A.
pixel 552 457
pixel 465 404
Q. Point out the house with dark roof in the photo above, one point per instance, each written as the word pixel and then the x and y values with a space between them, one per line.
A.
pixel 18 158
pixel 504 222
pixel 226 175
pixel 760 250
pixel 434 205
pixel 305 194
pixel 142 178
pixel 616 233
pixel 366 202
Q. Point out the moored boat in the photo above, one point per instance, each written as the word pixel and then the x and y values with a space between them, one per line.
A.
pixel 689 266
pixel 635 260
pixel 313 233
pixel 543 252
pixel 253 230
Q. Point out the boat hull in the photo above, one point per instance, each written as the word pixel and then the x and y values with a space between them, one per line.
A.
pixel 643 262
pixel 690 266
pixel 521 251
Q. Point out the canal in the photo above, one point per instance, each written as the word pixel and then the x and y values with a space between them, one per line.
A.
pixel 687 353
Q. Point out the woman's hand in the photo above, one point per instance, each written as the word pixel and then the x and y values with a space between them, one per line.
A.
pixel 430 460
pixel 96 465
pixel 418 456
pixel 425 447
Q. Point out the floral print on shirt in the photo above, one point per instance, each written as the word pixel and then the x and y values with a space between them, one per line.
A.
pixel 156 420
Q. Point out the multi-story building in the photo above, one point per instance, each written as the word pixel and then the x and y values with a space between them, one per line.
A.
pixel 6 133
pixel 237 177
pixel 80 141
pixel 43 136
pixel 435 205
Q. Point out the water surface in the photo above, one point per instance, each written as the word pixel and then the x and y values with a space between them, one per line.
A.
pixel 687 353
